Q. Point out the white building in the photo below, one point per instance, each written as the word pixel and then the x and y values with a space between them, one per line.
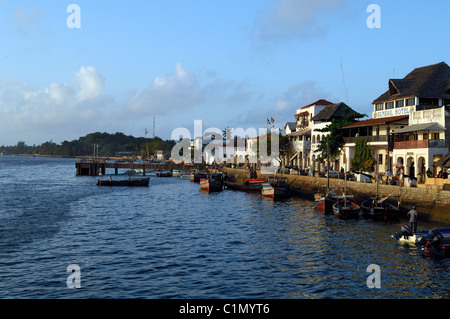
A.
pixel 299 133
pixel 411 121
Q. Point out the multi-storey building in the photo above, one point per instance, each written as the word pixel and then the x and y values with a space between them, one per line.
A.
pixel 304 135
pixel 299 133
pixel 410 122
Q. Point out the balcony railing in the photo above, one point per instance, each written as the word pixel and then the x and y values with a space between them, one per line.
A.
pixel 376 138
pixel 298 145
pixel 419 144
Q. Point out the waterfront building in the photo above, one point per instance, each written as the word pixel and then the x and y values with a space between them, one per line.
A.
pixel 322 120
pixel 305 137
pixel 299 133
pixel 410 122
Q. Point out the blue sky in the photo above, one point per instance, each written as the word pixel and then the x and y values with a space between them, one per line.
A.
pixel 228 63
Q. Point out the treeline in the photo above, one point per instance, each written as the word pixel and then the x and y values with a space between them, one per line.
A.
pixel 108 145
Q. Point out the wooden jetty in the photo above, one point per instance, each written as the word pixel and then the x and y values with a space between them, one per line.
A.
pixel 92 167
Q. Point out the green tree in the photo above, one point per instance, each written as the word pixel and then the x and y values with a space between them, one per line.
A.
pixel 363 160
pixel 334 141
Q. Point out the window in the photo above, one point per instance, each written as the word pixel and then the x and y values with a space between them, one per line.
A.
pixel 390 105
pixel 435 136
pixel 425 136
pixel 379 106
pixel 380 159
pixel 410 102
pixel 399 103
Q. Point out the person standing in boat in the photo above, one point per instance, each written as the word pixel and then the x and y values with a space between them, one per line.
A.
pixel 413 218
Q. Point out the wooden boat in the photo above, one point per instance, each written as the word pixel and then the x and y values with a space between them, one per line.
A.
pixel 346 207
pixel 164 174
pixel 380 209
pixel 124 182
pixel 197 176
pixel 211 184
pixel 249 185
pixel 276 188
pixel 185 176
pixel 326 201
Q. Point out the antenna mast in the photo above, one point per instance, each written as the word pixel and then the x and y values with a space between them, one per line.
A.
pixel 153 127
pixel 343 79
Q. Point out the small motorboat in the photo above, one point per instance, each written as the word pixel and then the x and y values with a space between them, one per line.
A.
pixel 164 174
pixel 124 182
pixel 435 242
pixel 406 235
pixel 185 176
pixel 177 172
pixel 346 207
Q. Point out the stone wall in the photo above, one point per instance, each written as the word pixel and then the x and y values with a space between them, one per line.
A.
pixel 432 204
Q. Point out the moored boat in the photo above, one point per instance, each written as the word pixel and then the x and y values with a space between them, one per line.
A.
pixel 276 188
pixel 124 182
pixel 197 176
pixel 346 207
pixel 325 201
pixel 185 176
pixel 164 174
pixel 211 184
pixel 435 242
pixel 380 209
pixel 249 185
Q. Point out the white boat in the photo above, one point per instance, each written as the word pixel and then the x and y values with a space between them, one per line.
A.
pixel 186 176
pixel 177 172
pixel 406 235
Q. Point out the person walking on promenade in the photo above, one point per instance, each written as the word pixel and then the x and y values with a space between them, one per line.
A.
pixel 413 218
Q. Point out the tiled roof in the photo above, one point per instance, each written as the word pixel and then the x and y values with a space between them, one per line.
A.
pixel 378 121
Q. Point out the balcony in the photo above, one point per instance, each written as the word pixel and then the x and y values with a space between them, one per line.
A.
pixel 427 116
pixel 300 145
pixel 419 144
pixel 379 138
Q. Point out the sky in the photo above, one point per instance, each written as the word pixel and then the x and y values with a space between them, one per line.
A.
pixel 114 66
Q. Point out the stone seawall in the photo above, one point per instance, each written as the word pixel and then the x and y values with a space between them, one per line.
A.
pixel 433 205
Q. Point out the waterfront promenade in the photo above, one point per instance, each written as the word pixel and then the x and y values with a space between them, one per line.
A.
pixel 432 204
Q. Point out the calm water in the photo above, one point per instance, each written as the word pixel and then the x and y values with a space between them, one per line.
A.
pixel 172 241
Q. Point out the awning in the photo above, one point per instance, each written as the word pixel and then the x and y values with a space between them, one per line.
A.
pixel 420 127
pixel 293 157
pixel 443 162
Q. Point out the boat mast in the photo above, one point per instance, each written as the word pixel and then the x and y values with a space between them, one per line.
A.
pixel 328 164
pixel 377 171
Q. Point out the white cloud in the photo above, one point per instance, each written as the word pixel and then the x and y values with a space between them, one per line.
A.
pixel 90 83
pixel 56 109
pixel 297 18
pixel 24 19
pixel 183 91
pixel 173 92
